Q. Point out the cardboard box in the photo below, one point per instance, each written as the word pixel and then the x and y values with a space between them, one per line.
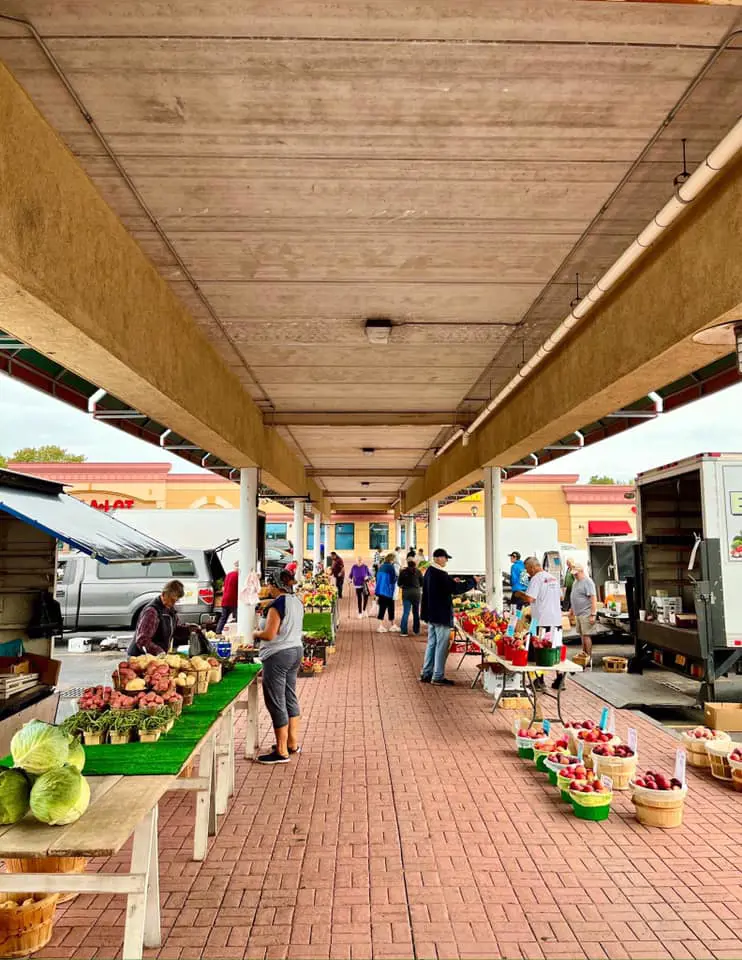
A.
pixel 47 669
pixel 724 716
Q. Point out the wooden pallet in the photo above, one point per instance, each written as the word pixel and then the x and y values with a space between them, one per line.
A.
pixel 10 684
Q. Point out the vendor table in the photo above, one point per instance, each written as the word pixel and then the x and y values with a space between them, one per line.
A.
pixel 119 806
pixel 124 800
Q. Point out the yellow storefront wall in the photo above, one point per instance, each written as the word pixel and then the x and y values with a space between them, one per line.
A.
pixel 119 488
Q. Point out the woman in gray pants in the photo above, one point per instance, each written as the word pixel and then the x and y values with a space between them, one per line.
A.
pixel 281 651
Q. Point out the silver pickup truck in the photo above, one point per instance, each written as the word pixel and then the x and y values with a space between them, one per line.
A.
pixel 99 596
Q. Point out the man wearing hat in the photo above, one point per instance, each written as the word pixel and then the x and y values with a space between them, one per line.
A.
pixel 518 580
pixel 439 589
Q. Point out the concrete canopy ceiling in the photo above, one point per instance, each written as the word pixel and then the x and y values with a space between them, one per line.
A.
pixel 313 167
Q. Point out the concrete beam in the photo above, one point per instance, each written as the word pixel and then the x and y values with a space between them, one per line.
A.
pixel 637 340
pixel 359 507
pixel 376 494
pixel 363 473
pixel 77 287
pixel 447 419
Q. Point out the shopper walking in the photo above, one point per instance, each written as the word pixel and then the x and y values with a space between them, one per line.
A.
pixel 411 584
pixel 359 577
pixel 439 589
pixel 569 581
pixel 421 558
pixel 229 596
pixel 518 580
pixel 337 569
pixel 281 650
pixel 583 609
pixel 386 585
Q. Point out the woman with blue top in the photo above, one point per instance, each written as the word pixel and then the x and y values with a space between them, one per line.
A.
pixel 281 651
pixel 386 587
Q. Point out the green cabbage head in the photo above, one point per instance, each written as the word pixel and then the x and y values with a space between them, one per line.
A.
pixel 76 757
pixel 14 792
pixel 60 796
pixel 38 747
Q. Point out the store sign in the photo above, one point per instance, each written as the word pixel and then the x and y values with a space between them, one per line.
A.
pixel 733 510
pixel 108 505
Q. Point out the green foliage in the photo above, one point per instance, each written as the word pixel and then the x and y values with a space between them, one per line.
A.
pixel 49 453
pixel 605 480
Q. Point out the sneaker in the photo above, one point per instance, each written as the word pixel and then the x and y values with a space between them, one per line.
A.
pixel 382 630
pixel 394 628
pixel 403 634
pixel 443 682
pixel 294 750
pixel 360 616
pixel 273 757
pixel 425 679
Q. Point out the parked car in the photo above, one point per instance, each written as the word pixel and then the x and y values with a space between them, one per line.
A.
pixel 112 596
pixel 276 559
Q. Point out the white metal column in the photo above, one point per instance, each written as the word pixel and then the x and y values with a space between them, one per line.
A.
pixel 248 526
pixel 410 533
pixel 299 538
pixel 397 535
pixel 492 549
pixel 432 527
pixel 316 559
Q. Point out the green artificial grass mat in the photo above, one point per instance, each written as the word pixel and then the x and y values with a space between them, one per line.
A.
pixel 170 752
pixel 318 621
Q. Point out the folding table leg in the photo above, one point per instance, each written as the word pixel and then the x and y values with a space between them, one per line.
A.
pixel 143 909
pixel 499 696
pixel 205 801
pixel 252 731
pixel 224 762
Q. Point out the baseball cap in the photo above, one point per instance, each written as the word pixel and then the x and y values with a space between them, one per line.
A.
pixel 514 553
pixel 440 552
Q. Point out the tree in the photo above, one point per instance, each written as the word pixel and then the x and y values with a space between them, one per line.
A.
pixel 50 453
pixel 606 480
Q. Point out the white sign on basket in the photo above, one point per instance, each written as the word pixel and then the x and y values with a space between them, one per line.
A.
pixel 556 637
pixel 631 739
pixel 607 782
pixel 611 725
pixel 680 758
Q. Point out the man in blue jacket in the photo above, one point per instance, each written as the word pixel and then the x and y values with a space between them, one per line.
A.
pixel 519 580
pixel 439 589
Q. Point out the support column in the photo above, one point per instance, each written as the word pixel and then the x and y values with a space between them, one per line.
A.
pixel 248 522
pixel 432 527
pixel 397 535
pixel 317 560
pixel 410 533
pixel 492 554
pixel 299 538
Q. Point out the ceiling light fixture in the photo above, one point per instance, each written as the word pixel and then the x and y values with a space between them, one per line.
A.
pixel 378 330
pixel 368 451
pixel 724 334
pixel 365 483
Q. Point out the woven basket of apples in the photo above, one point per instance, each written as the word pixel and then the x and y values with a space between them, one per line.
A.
pixel 658 799
pixel 556 762
pixel 695 742
pixel 591 738
pixel 617 762
pixel 591 799
pixel 719 752
pixel 543 747
pixel 525 738
pixel 573 727
pixel 735 765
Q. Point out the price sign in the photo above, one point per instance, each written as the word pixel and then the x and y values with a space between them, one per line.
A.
pixel 603 718
pixel 607 782
pixel 546 724
pixel 680 758
pixel 534 627
pixel 631 739
pixel 580 750
pixel 556 637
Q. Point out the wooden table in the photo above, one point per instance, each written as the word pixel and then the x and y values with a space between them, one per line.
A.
pixel 124 805
pixel 119 806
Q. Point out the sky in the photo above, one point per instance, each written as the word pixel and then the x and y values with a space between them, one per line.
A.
pixel 714 424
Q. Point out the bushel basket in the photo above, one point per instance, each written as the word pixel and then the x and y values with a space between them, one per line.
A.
pixel 659 808
pixel 621 770
pixel 25 930
pixel 47 865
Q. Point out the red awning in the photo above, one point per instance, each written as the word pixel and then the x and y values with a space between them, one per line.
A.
pixel 608 528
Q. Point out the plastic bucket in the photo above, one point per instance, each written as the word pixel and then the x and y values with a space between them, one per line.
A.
pixel 591 806
pixel 553 777
pixel 548 656
pixel 525 753
pixel 520 658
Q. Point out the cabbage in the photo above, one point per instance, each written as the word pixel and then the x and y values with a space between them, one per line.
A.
pixel 76 758
pixel 38 747
pixel 14 791
pixel 60 796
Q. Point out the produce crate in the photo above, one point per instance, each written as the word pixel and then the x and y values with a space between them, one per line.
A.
pixel 548 656
pixel 724 716
pixel 10 684
pixel 615 664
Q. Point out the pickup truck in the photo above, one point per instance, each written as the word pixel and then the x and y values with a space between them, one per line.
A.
pixel 98 596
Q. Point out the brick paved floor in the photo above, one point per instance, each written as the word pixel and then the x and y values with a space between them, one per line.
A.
pixel 409 828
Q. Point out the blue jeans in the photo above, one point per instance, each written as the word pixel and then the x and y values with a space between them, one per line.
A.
pixel 410 606
pixel 436 652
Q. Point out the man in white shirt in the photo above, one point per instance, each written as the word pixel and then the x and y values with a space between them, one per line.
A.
pixel 543 595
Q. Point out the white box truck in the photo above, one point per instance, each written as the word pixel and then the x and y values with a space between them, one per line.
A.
pixel 463 537
pixel 689 579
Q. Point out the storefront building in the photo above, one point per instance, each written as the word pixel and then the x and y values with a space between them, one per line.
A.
pixel 580 510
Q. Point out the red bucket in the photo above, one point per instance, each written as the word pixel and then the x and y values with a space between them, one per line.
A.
pixel 500 644
pixel 509 651
pixel 520 658
pixel 563 654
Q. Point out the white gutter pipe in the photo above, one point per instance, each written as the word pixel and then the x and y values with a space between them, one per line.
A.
pixel 720 157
